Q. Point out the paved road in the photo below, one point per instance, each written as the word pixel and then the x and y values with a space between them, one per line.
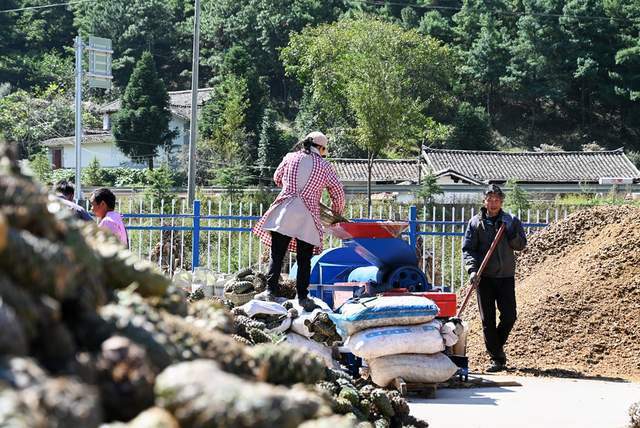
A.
pixel 539 402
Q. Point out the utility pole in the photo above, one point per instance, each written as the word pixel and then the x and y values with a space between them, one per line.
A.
pixel 78 102
pixel 193 133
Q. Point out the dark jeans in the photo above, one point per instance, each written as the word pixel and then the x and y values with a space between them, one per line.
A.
pixel 279 244
pixel 500 292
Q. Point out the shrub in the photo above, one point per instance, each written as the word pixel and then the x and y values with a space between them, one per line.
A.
pixel 92 175
pixel 160 184
pixel 41 167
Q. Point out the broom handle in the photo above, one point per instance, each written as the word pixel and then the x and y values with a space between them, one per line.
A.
pixel 483 265
pixel 338 217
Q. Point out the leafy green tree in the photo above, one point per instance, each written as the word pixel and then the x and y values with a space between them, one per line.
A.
pixel 27 119
pixel 93 174
pixel 517 199
pixel 429 189
pixel 141 125
pixel 377 72
pixel 337 121
pixel 33 44
pixel 262 27
pixel 41 167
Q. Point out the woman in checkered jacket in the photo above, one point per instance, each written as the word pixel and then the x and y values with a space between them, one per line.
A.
pixel 293 220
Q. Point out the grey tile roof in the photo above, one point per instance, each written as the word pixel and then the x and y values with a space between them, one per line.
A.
pixel 534 166
pixel 179 102
pixel 384 170
pixel 95 138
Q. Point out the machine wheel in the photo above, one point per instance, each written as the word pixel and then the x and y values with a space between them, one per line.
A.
pixel 409 277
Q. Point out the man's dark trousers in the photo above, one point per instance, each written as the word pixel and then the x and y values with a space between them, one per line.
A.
pixel 500 292
pixel 279 245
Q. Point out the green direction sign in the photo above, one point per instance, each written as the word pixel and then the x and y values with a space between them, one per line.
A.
pixel 99 62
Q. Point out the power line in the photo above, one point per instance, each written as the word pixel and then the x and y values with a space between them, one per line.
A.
pixel 46 6
pixel 536 14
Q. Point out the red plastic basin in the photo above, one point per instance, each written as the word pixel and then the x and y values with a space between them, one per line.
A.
pixel 381 229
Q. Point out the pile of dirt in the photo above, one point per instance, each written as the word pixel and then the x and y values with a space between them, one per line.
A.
pixel 578 294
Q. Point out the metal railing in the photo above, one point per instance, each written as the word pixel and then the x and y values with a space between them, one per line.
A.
pixel 218 236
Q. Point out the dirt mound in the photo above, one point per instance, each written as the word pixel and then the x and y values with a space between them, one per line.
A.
pixel 578 293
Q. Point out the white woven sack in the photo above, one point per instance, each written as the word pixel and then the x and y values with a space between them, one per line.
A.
pixel 255 307
pixel 410 339
pixel 318 349
pixel 433 368
pixel 448 333
pixel 323 306
pixel 384 311
pixel 462 331
pixel 297 325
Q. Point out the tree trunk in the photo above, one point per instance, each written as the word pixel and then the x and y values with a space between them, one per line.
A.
pixel 369 168
pixel 532 129
pixel 583 102
pixel 285 95
pixel 489 103
pixel 150 162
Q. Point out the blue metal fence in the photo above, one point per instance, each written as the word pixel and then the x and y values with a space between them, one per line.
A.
pixel 440 238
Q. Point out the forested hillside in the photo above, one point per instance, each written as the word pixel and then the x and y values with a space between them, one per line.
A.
pixel 472 74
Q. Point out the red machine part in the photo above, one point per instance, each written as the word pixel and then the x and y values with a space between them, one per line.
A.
pixel 446 302
pixel 373 229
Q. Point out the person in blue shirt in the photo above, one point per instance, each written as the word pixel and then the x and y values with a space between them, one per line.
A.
pixel 65 192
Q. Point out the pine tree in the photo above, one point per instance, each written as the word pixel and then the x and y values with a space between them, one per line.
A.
pixel 429 189
pixel 517 198
pixel 471 130
pixel 233 178
pixel 486 60
pixel 142 124
pixel 92 175
pixel 161 184
pixel 272 145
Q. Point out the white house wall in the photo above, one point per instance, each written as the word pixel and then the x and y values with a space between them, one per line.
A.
pixel 110 156
pixel 107 154
pixel 447 179
pixel 182 127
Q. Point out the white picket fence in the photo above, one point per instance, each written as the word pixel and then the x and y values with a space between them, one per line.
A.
pixel 163 233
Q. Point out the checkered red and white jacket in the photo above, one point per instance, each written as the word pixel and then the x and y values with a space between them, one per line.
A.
pixel 322 176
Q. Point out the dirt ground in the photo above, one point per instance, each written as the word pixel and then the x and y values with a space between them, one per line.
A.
pixel 578 294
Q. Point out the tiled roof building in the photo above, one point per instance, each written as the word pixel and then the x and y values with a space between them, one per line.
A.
pixel 533 167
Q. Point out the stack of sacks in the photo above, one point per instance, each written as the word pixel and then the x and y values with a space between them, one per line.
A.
pixel 398 336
